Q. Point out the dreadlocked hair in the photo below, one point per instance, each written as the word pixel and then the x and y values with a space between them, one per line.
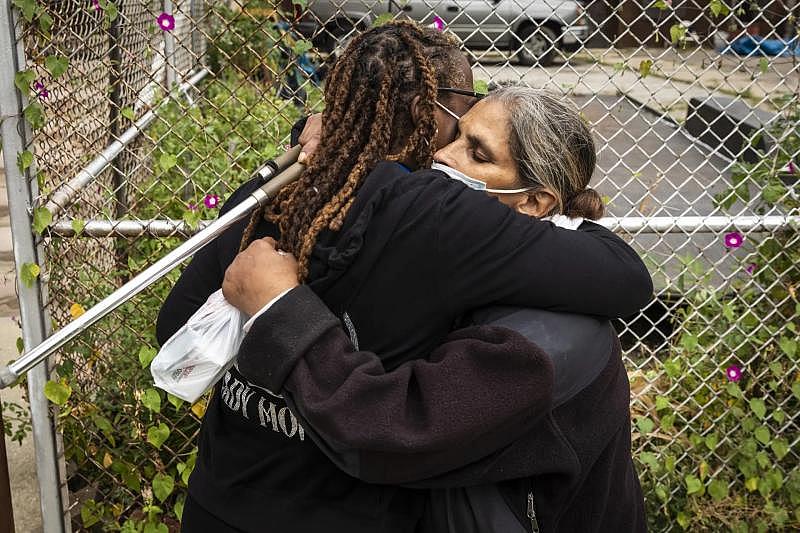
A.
pixel 367 119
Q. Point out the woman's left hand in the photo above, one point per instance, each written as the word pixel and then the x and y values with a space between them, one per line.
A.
pixel 258 275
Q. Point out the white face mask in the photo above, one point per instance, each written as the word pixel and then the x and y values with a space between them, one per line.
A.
pixel 472 183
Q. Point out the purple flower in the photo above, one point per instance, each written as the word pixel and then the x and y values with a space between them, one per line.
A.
pixel 790 168
pixel 733 239
pixel 211 201
pixel 734 373
pixel 166 22
pixel 438 23
pixel 191 206
pixel 96 4
pixel 750 268
pixel 40 89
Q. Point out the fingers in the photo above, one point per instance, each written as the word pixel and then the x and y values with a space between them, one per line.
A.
pixel 268 245
pixel 310 137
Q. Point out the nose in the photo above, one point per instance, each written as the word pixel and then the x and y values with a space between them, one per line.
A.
pixel 445 155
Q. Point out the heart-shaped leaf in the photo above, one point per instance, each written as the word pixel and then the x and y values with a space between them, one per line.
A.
pixel 152 400
pixel 57 392
pixel 644 424
pixel 42 218
pixel 167 161
pixel 91 513
pixel 28 273
pixel 693 485
pixel 158 435
pixel 758 407
pixel 56 65
pixel 29 8
pixel 34 114
pixel 163 486
pixel 174 400
pixel 788 346
pixel 718 489
pixel 45 22
pixel 77 225
pixel 780 447
pixel 24 160
pixel 146 355
pixel 762 434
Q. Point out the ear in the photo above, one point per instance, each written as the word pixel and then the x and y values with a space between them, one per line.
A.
pixel 415 111
pixel 537 204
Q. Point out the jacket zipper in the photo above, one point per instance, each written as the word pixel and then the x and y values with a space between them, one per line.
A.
pixel 532 514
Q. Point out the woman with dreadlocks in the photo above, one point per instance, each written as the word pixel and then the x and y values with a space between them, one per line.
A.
pixel 399 256
pixel 511 438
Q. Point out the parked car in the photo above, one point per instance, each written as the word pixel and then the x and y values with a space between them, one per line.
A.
pixel 531 30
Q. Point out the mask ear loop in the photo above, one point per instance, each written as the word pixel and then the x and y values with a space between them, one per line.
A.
pixel 446 110
pixel 508 191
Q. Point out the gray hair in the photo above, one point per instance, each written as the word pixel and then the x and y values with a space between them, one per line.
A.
pixel 553 148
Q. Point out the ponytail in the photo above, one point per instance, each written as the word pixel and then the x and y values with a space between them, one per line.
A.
pixel 585 204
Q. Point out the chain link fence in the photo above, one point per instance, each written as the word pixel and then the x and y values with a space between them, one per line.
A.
pixel 145 114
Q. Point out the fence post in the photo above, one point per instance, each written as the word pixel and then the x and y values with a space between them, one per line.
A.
pixel 169 48
pixel 15 135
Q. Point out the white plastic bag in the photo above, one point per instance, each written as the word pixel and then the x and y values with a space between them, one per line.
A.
pixel 197 356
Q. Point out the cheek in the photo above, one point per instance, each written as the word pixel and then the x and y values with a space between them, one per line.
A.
pixel 496 179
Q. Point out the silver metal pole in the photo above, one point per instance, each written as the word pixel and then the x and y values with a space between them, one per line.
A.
pixel 150 275
pixel 713 224
pixel 129 228
pixel 69 191
pixel 639 225
pixel 169 47
pixel 15 133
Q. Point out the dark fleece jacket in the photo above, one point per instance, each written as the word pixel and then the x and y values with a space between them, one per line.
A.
pixel 472 413
pixel 416 251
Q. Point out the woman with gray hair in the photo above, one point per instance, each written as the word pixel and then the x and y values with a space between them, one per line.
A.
pixel 520 420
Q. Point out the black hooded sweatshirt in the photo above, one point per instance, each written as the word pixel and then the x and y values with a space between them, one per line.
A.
pixel 416 251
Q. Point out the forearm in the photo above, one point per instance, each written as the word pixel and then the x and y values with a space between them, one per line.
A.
pixel 475 394
pixel 516 260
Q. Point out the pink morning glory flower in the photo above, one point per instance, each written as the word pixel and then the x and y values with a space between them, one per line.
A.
pixel 734 373
pixel 733 239
pixel 166 22
pixel 191 206
pixel 750 268
pixel 96 4
pixel 438 23
pixel 211 201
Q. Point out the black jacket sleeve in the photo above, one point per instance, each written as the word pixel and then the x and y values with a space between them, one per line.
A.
pixel 205 272
pixel 518 260
pixel 478 392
